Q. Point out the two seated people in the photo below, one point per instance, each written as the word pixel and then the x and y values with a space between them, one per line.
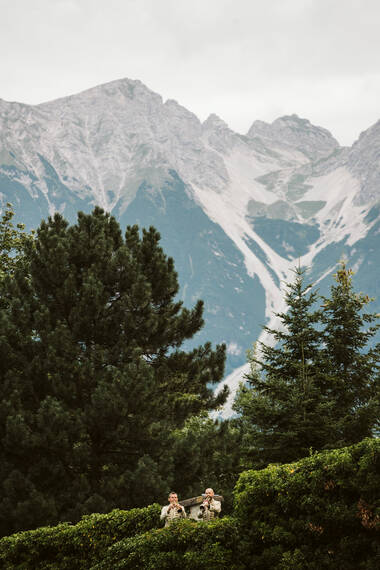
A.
pixel 203 508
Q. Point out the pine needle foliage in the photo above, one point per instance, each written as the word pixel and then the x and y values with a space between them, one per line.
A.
pixel 316 385
pixel 13 242
pixel 93 380
pixel 351 364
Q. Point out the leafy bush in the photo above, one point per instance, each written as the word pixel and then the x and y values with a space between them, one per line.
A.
pixel 184 544
pixel 320 512
pixel 77 546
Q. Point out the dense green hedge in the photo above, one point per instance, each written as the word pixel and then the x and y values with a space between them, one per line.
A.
pixel 321 512
pixel 77 546
pixel 185 544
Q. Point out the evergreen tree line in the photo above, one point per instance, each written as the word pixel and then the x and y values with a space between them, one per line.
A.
pixel 317 385
pixel 101 407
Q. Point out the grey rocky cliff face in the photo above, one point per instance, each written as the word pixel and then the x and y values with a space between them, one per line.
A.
pixel 108 138
pixel 290 130
pixel 103 141
pixel 364 162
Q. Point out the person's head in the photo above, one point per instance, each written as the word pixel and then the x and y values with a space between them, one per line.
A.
pixel 209 492
pixel 173 497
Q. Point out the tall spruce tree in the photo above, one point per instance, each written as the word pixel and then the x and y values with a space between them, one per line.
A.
pixel 351 368
pixel 93 381
pixel 282 410
pixel 318 385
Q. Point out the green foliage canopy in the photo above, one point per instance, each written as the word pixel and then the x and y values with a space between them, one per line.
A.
pixel 322 512
pixel 316 386
pixel 93 381
pixel 74 547
pixel 352 369
pixel 13 243
pixel 283 412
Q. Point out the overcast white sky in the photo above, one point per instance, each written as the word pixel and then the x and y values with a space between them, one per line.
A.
pixel 241 59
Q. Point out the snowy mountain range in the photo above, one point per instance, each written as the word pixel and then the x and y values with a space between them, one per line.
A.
pixel 237 212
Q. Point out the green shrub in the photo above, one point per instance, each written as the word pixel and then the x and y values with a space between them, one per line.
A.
pixel 321 512
pixel 184 544
pixel 77 546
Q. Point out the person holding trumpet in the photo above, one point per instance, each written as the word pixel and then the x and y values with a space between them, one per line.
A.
pixel 210 508
pixel 173 511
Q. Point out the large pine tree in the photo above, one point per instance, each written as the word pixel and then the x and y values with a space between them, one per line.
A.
pixel 93 380
pixel 283 413
pixel 317 385
pixel 351 367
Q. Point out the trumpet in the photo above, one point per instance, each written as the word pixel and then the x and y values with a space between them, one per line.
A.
pixel 206 503
pixel 176 506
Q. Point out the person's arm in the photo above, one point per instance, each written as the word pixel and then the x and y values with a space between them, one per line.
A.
pixel 215 506
pixel 164 513
pixel 183 512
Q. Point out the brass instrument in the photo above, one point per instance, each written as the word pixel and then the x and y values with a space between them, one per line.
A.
pixel 205 505
pixel 178 507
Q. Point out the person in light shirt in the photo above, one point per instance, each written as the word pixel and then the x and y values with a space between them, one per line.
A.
pixel 210 508
pixel 173 511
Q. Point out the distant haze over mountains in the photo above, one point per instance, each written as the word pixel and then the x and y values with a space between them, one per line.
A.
pixel 236 212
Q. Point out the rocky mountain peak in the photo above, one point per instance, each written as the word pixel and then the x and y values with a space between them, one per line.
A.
pixel 213 122
pixel 219 135
pixel 120 89
pixel 295 132
pixel 181 118
pixel 364 163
